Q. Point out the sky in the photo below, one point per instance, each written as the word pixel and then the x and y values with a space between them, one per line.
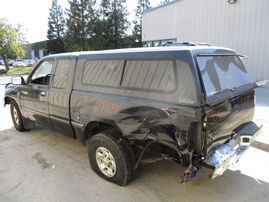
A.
pixel 33 15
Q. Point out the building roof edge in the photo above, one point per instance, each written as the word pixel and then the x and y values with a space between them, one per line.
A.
pixel 162 5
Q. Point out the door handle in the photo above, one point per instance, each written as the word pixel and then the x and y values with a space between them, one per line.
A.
pixel 42 93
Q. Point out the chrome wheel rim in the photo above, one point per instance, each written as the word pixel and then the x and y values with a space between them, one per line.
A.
pixel 105 161
pixel 16 116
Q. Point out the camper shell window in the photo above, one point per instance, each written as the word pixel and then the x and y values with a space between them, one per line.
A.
pixel 140 74
pixel 222 73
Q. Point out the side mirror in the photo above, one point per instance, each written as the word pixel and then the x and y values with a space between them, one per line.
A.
pixel 17 80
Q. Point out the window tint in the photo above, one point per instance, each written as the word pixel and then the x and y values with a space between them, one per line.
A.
pixel 61 73
pixel 150 74
pixel 105 72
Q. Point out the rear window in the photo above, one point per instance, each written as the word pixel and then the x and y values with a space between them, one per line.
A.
pixel 61 73
pixel 222 73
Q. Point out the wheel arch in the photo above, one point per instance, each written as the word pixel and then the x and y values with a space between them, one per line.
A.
pixel 95 127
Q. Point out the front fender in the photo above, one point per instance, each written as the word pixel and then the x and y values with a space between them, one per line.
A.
pixel 12 92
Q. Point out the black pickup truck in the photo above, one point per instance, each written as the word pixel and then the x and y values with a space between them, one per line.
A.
pixel 193 105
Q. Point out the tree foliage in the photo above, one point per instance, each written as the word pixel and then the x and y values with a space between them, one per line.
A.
pixel 115 24
pixel 97 24
pixel 56 24
pixel 81 18
pixel 12 40
pixel 137 29
pixel 96 27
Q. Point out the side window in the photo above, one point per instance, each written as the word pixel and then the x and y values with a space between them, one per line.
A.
pixel 103 72
pixel 150 74
pixel 61 73
pixel 42 73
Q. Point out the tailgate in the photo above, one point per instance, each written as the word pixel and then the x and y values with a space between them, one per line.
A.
pixel 230 131
pixel 229 94
pixel 225 119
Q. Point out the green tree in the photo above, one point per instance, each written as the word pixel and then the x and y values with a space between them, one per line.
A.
pixel 56 24
pixel 114 23
pixel 137 28
pixel 98 40
pixel 81 18
pixel 12 40
pixel 94 25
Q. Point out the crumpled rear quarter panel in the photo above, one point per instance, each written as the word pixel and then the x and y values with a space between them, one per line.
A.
pixel 138 121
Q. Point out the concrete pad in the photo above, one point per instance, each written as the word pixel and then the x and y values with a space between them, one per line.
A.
pixel 42 165
pixel 262 117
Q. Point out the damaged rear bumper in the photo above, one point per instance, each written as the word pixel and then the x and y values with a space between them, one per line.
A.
pixel 229 153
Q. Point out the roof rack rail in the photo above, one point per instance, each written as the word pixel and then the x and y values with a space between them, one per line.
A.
pixel 185 44
pixel 242 56
pixel 196 43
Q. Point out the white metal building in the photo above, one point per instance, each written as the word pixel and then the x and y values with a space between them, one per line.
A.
pixel 242 25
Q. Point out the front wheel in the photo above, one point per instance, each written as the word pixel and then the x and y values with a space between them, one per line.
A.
pixel 110 158
pixel 16 116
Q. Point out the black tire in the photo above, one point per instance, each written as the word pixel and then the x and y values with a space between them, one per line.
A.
pixel 16 116
pixel 111 158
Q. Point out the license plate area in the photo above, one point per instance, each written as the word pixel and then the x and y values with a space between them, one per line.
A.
pixel 228 154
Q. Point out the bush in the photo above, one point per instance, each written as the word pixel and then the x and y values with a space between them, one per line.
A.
pixel 2 71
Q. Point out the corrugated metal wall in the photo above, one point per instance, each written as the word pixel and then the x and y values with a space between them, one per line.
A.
pixel 242 26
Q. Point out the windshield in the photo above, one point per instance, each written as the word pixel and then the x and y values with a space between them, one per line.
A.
pixel 222 73
pixel 43 69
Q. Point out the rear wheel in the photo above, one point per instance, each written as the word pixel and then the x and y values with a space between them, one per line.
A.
pixel 111 159
pixel 16 116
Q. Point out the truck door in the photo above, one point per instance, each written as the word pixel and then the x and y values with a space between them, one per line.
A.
pixel 59 95
pixel 35 94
